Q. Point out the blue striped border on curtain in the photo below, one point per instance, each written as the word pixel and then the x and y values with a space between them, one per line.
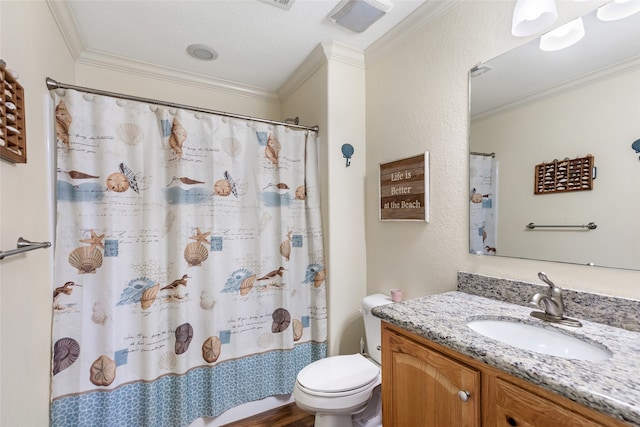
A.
pixel 207 391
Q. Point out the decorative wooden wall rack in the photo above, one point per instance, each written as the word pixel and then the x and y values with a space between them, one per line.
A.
pixel 565 175
pixel 13 138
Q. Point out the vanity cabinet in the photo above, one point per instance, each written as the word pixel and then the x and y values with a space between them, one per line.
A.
pixel 427 384
pixel 422 387
pixel 515 406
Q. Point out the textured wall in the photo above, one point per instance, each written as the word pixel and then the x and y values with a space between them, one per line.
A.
pixel 31 45
pixel 417 100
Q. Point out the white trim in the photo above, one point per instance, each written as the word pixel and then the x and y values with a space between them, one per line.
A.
pixel 306 69
pixel 340 52
pixel 420 18
pixel 113 62
pixel 81 55
pixel 324 52
pixel 610 71
pixel 67 26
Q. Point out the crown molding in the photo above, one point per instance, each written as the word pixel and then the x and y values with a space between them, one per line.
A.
pixel 420 18
pixel 67 26
pixel 81 55
pixel 340 52
pixel 306 69
pixel 141 68
pixel 605 73
pixel 324 52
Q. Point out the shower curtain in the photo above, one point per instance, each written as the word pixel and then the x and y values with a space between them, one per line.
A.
pixel 189 270
pixel 483 178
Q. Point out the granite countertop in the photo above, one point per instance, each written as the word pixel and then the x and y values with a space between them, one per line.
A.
pixel 611 386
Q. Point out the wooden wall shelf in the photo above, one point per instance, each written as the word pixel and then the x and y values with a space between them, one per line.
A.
pixel 13 138
pixel 560 176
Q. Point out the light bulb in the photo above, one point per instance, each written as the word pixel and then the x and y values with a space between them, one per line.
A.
pixel 533 16
pixel 563 36
pixel 618 9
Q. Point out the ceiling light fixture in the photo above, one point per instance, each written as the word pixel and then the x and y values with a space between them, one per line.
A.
pixel 618 9
pixel 533 16
pixel 358 15
pixel 562 37
pixel 202 52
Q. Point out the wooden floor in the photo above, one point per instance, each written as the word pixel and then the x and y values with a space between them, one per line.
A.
pixel 286 416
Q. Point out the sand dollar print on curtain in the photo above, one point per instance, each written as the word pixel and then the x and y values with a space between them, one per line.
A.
pixel 189 266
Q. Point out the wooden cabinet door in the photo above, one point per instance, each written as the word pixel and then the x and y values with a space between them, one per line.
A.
pixel 516 407
pixel 420 387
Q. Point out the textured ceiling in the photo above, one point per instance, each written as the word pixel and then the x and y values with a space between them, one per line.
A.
pixel 260 45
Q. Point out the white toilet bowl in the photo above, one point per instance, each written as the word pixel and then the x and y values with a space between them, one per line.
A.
pixel 336 388
pixel 344 391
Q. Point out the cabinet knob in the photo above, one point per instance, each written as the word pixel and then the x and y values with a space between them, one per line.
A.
pixel 511 421
pixel 464 395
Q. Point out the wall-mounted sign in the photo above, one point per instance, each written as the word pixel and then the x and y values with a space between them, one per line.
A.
pixel 404 189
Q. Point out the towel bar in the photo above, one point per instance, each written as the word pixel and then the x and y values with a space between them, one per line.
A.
pixel 590 226
pixel 24 245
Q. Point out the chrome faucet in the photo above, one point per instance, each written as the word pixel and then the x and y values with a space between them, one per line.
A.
pixel 551 303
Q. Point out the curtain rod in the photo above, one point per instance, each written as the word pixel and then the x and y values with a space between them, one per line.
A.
pixel 52 84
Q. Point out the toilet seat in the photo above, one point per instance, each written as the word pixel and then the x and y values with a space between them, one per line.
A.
pixel 338 375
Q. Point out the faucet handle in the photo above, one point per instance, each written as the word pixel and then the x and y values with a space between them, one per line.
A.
pixel 552 304
pixel 555 290
pixel 543 276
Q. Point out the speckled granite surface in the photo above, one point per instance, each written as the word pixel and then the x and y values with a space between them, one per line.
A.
pixel 611 386
pixel 614 311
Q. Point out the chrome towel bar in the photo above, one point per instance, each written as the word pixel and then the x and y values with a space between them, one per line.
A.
pixel 24 245
pixel 590 226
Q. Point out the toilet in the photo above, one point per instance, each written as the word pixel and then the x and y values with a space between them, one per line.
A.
pixel 344 391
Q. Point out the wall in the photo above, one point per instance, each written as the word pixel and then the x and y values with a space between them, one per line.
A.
pixel 338 66
pixel 31 45
pixel 105 76
pixel 417 100
pixel 328 90
pixel 333 96
pixel 346 244
pixel 604 129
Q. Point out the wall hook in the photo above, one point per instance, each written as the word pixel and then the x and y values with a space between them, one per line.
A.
pixel 347 152
pixel 636 146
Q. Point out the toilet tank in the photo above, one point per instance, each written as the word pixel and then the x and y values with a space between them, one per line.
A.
pixel 372 324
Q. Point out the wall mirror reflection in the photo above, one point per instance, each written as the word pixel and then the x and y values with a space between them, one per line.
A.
pixel 531 107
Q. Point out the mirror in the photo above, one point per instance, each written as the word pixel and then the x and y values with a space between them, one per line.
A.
pixel 529 107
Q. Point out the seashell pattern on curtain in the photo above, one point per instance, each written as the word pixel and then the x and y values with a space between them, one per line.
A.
pixel 482 204
pixel 187 281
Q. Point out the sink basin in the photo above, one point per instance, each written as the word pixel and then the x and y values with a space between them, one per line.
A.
pixel 538 339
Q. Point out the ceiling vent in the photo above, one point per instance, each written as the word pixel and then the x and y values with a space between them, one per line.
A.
pixel 358 15
pixel 282 4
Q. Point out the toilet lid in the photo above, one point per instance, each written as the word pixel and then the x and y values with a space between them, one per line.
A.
pixel 338 373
